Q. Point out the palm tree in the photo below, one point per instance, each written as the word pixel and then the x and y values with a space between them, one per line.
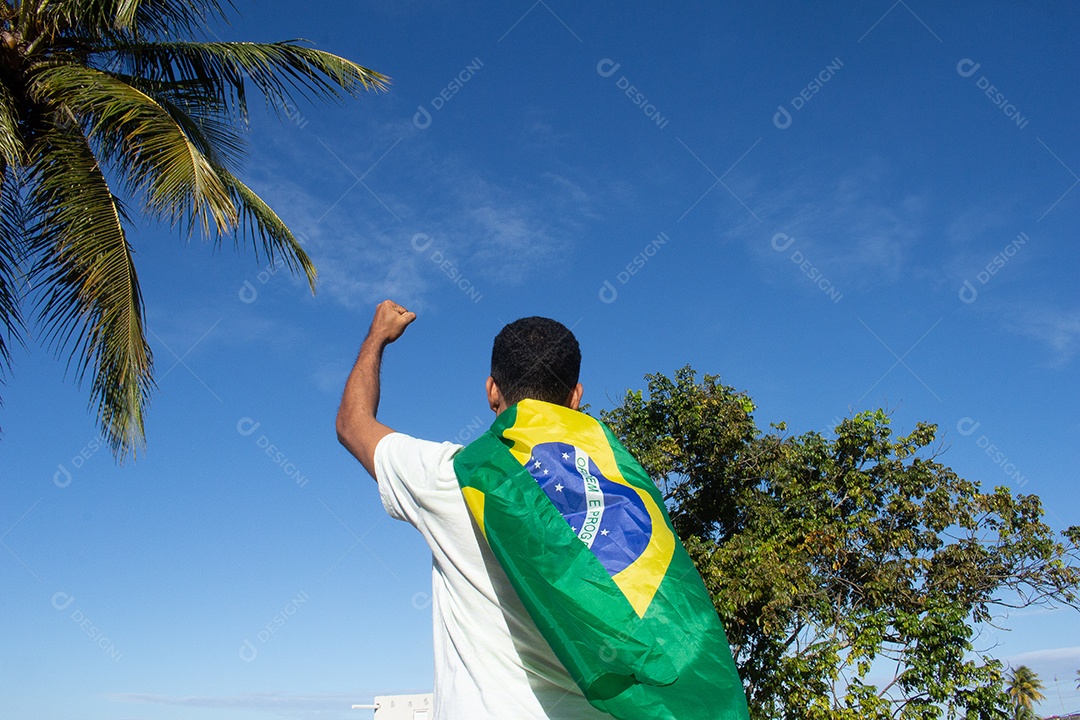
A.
pixel 1024 687
pixel 101 104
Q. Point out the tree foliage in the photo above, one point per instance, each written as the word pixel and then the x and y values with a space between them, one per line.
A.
pixel 852 573
pixel 107 99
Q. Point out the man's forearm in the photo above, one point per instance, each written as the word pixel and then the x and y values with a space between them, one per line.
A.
pixel 357 427
pixel 361 397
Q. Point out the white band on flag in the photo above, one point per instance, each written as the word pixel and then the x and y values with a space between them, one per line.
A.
pixel 594 499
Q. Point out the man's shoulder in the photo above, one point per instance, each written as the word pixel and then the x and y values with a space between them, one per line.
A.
pixel 403 454
pixel 399 442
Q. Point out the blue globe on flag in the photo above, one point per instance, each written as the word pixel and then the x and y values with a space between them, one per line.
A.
pixel 610 518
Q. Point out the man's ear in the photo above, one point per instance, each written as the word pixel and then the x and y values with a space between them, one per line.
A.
pixel 494 395
pixel 575 397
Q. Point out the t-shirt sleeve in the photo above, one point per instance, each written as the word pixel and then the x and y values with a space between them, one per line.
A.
pixel 412 472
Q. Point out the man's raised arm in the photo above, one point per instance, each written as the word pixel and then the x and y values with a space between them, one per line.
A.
pixel 357 428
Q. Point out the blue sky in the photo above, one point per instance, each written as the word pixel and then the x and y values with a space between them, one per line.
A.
pixel 833 207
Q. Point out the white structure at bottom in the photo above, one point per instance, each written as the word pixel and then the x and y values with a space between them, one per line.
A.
pixel 402 707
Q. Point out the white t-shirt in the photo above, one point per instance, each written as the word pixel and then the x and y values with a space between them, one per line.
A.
pixel 491 662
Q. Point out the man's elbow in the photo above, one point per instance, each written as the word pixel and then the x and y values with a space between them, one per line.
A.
pixel 346 430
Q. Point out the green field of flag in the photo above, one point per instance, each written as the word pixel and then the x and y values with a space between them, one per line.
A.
pixel 583 535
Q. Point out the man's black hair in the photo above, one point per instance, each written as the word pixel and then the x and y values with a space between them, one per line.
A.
pixel 538 358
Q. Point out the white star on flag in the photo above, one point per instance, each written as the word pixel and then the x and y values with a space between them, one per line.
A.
pixel 558 487
pixel 565 456
pixel 604 532
pixel 545 471
pixel 536 464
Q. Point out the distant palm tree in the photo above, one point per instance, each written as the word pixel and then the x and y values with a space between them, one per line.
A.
pixel 1024 687
pixel 104 98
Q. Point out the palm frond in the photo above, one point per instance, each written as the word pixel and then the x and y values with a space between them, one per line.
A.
pixel 135 132
pixel 267 230
pixel 12 152
pixel 279 70
pixel 199 115
pixel 12 156
pixel 92 307
pixel 112 18
pixel 11 251
pixel 163 18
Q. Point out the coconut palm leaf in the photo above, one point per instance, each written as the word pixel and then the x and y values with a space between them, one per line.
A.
pixel 11 220
pixel 267 230
pixel 279 71
pixel 100 18
pixel 11 146
pixel 165 17
pixel 10 269
pixel 93 306
pixel 157 159
pixel 198 116
pixel 100 91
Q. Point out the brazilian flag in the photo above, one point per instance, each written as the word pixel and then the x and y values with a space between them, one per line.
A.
pixel 584 537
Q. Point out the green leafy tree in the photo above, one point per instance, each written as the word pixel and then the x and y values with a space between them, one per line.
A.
pixel 103 102
pixel 852 573
pixel 1024 691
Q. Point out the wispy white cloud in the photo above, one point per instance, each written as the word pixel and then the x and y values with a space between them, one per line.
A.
pixel 326 706
pixel 359 209
pixel 1058 329
pixel 854 226
pixel 1069 655
pixel 329 377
